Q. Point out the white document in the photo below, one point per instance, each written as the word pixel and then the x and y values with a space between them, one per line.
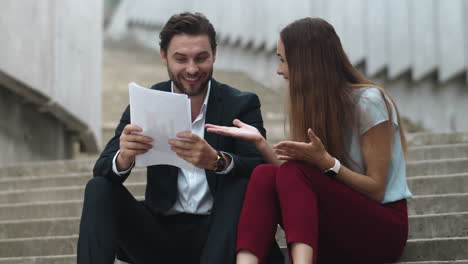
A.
pixel 161 115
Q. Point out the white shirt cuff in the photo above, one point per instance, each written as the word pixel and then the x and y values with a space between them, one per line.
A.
pixel 228 169
pixel 114 166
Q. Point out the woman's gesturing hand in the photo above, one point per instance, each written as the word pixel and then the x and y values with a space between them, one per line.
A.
pixel 313 152
pixel 240 130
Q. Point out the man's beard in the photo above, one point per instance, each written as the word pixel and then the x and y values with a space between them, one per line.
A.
pixel 194 92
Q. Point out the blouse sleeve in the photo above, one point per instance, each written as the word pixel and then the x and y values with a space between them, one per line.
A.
pixel 373 110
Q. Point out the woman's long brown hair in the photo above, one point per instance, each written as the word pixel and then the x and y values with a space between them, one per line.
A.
pixel 321 84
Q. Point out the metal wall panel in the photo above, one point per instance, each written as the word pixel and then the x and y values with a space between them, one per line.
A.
pixel 450 38
pixel 399 46
pixel 401 35
pixel 376 57
pixel 354 35
pixel 423 38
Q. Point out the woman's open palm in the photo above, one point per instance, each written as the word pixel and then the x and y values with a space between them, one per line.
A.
pixel 240 130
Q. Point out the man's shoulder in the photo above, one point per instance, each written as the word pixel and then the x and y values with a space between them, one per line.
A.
pixel 228 91
pixel 162 86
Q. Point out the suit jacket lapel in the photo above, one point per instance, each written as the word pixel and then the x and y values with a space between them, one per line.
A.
pixel 214 114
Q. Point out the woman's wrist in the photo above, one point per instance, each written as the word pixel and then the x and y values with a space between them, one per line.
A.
pixel 326 162
pixel 260 143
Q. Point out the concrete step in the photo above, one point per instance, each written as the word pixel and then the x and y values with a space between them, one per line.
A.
pixel 419 205
pixel 41 210
pixel 436 262
pixel 432 152
pixel 38 246
pixel 422 139
pixel 439 184
pixel 445 249
pixel 416 250
pixel 63 259
pixel 47 168
pixel 438 204
pixel 62 193
pixel 420 226
pixel 48 227
pixel 438 225
pixel 72 179
pixel 436 167
pixel 57 259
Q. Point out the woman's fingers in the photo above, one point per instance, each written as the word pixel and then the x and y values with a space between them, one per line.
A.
pixel 238 123
pixel 281 157
pixel 220 131
pixel 281 152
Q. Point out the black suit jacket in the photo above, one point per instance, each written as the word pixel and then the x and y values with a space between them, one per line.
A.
pixel 224 105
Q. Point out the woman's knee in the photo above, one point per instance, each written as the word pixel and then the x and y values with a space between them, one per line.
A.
pixel 295 172
pixel 263 176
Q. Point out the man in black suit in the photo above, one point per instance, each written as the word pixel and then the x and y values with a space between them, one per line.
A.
pixel 188 216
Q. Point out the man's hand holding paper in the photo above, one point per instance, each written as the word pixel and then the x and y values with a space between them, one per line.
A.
pixel 131 145
pixel 160 115
pixel 194 149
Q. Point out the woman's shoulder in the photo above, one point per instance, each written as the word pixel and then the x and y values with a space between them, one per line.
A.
pixel 368 93
pixel 371 107
pixel 371 99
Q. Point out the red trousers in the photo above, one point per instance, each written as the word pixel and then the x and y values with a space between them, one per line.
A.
pixel 340 224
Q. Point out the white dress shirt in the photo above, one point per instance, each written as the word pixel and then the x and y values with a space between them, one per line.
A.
pixel 194 196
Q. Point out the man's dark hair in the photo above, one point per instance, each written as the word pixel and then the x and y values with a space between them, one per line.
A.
pixel 189 24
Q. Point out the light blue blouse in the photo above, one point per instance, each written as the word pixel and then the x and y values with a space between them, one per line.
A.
pixel 372 111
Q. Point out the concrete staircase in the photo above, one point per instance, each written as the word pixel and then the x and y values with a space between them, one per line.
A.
pixel 40 204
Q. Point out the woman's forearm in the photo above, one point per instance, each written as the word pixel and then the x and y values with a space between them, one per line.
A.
pixel 267 152
pixel 366 185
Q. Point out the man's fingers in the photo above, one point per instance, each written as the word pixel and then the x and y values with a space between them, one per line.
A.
pixel 130 128
pixel 136 146
pixel 183 153
pixel 181 144
pixel 187 135
pixel 137 138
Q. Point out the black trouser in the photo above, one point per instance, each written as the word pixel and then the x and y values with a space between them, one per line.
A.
pixel 113 221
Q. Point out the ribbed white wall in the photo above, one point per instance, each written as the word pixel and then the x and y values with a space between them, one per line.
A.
pixel 410 39
pixel 399 35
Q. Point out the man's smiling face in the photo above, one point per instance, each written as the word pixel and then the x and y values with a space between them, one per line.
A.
pixel 189 60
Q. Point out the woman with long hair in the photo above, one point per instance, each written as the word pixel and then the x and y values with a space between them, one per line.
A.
pixel 338 187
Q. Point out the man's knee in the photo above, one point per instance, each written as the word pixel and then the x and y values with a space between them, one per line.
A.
pixel 101 192
pixel 98 186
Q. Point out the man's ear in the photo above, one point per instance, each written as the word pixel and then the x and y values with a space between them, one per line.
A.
pixel 163 56
pixel 214 55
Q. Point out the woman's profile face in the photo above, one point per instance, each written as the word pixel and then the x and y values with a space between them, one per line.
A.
pixel 282 68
